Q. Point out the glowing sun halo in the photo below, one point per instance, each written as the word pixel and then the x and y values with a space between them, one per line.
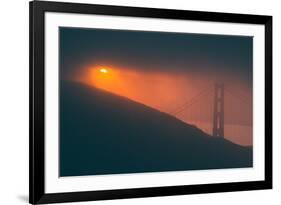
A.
pixel 103 70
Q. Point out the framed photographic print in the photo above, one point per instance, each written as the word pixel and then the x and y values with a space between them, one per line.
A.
pixel 140 102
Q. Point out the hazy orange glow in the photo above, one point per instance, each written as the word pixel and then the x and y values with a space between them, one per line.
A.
pixel 168 91
pixel 155 89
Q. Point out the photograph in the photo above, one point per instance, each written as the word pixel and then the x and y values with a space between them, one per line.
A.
pixel 133 101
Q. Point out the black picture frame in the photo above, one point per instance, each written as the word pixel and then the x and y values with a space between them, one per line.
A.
pixel 37 193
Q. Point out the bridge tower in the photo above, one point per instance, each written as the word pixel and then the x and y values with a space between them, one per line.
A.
pixel 218 115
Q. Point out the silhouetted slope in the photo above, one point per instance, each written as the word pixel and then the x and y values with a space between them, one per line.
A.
pixel 102 133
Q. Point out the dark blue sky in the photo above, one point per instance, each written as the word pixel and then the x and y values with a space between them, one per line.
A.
pixel 165 51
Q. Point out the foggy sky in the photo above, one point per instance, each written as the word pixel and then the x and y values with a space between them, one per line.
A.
pixel 165 51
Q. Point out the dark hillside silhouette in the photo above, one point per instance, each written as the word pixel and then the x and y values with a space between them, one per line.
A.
pixel 102 133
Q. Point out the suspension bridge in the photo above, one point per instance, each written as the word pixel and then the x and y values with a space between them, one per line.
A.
pixel 227 115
